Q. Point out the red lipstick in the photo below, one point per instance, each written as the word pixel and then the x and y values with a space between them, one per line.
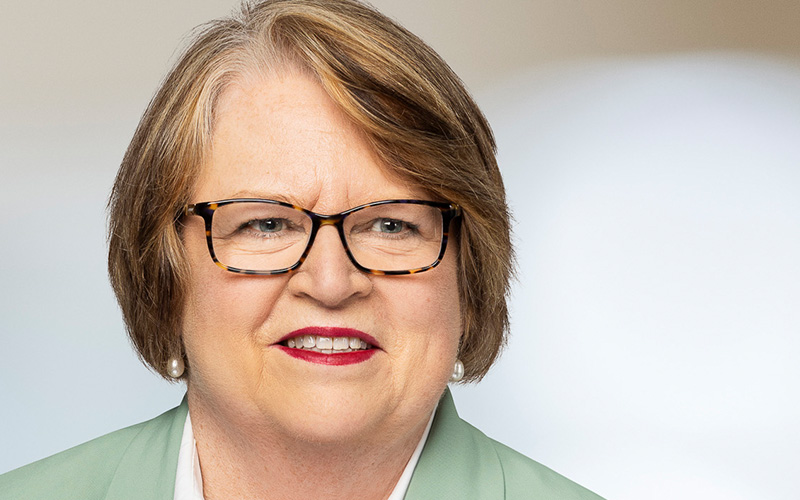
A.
pixel 334 358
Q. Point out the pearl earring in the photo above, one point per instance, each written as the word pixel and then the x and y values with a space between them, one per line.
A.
pixel 458 371
pixel 175 368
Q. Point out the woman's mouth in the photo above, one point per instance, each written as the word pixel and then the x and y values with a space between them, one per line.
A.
pixel 329 345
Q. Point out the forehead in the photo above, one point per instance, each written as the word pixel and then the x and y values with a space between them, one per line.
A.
pixel 283 137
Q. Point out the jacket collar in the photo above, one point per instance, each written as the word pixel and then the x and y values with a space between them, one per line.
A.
pixel 457 461
pixel 148 466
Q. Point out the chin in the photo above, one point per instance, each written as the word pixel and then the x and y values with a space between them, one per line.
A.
pixel 326 414
pixel 334 421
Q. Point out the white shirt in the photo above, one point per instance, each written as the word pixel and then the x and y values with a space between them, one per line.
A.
pixel 189 480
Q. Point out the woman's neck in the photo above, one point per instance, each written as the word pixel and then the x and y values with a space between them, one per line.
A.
pixel 258 462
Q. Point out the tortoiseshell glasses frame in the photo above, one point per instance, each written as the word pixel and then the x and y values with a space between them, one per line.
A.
pixel 206 210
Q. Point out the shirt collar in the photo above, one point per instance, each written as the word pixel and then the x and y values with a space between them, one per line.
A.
pixel 189 479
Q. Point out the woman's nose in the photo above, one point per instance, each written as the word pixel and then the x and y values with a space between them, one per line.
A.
pixel 327 275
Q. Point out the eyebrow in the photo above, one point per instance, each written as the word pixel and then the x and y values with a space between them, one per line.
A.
pixel 261 195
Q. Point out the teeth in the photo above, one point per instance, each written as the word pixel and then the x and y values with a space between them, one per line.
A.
pixel 327 345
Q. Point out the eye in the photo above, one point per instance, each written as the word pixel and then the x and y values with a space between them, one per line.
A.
pixel 392 226
pixel 265 225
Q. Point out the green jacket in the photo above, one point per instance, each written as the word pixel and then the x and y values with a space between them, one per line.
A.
pixel 140 462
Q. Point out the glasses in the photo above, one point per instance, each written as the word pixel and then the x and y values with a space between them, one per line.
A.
pixel 265 237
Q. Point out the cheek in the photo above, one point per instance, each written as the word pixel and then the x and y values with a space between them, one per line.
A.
pixel 429 315
pixel 240 303
pixel 427 318
pixel 223 314
pixel 446 294
pixel 439 311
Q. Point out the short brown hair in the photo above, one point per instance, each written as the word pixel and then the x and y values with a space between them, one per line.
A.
pixel 414 110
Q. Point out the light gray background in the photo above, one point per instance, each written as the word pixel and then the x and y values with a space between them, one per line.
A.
pixel 651 152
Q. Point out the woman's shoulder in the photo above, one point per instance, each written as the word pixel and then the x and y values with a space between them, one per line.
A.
pixel 80 472
pixel 90 470
pixel 460 461
pixel 524 475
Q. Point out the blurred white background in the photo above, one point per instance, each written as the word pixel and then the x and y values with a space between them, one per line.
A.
pixel 652 158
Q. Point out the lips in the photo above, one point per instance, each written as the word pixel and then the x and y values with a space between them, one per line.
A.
pixel 329 345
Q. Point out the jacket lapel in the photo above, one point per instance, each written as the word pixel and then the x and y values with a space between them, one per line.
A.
pixel 148 467
pixel 458 461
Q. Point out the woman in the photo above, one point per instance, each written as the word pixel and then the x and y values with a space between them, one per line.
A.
pixel 316 358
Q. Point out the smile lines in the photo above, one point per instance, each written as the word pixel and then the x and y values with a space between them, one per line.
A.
pixel 327 345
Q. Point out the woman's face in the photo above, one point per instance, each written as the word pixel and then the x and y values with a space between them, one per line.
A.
pixel 285 139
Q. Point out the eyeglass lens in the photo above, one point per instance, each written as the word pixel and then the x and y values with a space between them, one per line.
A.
pixel 267 237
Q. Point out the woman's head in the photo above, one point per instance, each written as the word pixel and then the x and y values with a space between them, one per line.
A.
pixel 283 139
pixel 403 102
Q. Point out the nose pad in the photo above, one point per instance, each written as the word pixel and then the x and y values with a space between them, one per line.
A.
pixel 328 274
pixel 336 225
pixel 330 222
